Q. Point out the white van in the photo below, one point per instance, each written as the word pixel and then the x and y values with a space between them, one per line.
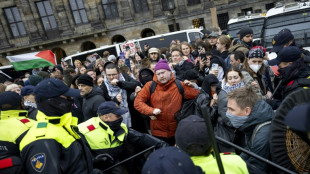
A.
pixel 158 41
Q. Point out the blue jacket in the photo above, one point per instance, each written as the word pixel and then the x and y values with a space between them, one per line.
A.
pixel 259 142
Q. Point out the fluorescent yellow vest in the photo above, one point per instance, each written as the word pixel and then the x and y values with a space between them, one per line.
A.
pixel 12 125
pixel 60 132
pixel 99 138
pixel 233 164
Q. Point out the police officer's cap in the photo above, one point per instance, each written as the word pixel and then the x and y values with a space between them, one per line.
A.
pixel 110 107
pixel 192 136
pixel 51 87
pixel 10 100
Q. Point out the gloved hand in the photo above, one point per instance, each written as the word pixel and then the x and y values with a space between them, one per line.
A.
pixel 103 161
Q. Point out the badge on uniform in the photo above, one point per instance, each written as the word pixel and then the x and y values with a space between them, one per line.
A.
pixel 38 162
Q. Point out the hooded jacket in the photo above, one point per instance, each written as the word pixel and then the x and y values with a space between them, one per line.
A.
pixel 261 113
pixel 168 99
pixel 91 102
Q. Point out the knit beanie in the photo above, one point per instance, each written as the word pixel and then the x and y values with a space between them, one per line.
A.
pixel 162 64
pixel 34 79
pixel 86 80
pixel 60 68
pixel 190 74
pixel 244 31
pixel 256 53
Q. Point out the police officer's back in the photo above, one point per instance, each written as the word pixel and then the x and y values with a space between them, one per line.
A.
pixel 52 144
pixel 13 125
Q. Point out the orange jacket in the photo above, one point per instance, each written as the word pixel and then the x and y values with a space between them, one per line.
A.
pixel 168 99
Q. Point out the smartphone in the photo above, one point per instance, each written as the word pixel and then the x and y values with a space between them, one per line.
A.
pixel 203 56
pixel 215 66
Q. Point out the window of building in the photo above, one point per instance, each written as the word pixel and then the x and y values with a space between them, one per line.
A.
pixel 15 21
pixel 198 23
pixel 78 11
pixel 222 20
pixel 165 4
pixel 46 14
pixel 258 11
pixel 193 2
pixel 269 6
pixel 246 10
pixel 140 6
pixel 110 8
pixel 171 27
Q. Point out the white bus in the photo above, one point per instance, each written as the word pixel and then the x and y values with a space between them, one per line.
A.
pixel 255 21
pixel 158 41
pixel 294 16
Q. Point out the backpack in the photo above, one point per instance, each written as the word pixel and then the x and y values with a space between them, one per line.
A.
pixel 188 106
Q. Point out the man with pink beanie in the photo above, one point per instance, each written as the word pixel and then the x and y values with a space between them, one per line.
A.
pixel 163 104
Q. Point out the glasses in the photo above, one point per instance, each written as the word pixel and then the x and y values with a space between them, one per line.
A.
pixel 111 75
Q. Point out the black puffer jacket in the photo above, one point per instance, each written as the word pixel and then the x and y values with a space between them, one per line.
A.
pixel 91 102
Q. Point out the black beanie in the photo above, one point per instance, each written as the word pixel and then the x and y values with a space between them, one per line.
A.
pixel 244 31
pixel 86 80
pixel 60 68
pixel 190 75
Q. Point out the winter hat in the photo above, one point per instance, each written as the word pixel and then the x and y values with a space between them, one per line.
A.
pixel 244 31
pixel 190 75
pixel 112 58
pixel 44 74
pixel 170 160
pixel 60 68
pixel 208 81
pixel 9 100
pixel 162 64
pixel 217 60
pixel 86 80
pixel 34 79
pixel 192 136
pixel 256 53
pixel 145 75
pixel 153 50
pixel 27 90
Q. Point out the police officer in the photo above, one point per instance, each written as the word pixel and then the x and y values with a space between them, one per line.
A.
pixel 106 134
pixel 13 125
pixel 192 137
pixel 52 145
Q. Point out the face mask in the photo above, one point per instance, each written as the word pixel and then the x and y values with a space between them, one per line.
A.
pixel 236 121
pixel 255 68
pixel 114 125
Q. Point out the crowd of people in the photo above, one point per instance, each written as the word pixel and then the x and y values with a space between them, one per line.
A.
pixel 87 117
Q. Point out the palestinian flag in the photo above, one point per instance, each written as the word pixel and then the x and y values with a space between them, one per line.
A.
pixel 33 60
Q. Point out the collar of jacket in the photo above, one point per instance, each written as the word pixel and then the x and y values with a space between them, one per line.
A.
pixel 66 121
pixel 13 113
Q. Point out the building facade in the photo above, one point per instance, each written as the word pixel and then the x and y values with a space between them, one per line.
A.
pixel 70 26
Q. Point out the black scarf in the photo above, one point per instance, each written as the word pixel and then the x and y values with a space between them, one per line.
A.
pixel 114 125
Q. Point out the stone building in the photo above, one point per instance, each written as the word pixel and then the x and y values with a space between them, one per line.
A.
pixel 70 26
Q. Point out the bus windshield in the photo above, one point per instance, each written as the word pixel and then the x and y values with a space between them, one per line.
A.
pixel 256 25
pixel 298 22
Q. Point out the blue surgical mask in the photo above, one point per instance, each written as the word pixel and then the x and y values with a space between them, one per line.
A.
pixel 236 121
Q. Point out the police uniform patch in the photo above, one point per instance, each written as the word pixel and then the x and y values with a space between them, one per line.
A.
pixel 273 42
pixel 38 162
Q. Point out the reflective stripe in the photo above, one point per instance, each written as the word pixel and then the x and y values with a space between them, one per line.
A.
pixel 5 163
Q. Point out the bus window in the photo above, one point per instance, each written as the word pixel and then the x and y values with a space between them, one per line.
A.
pixel 295 21
pixel 193 36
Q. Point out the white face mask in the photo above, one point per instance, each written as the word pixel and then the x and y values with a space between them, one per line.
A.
pixel 255 67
